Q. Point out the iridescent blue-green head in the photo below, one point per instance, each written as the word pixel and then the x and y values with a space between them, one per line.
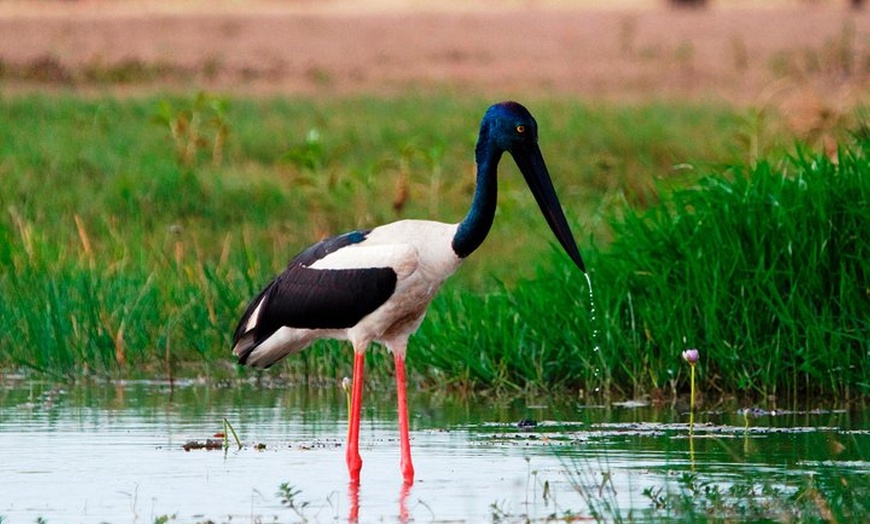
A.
pixel 510 127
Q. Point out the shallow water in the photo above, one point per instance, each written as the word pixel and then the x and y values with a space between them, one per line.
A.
pixel 115 453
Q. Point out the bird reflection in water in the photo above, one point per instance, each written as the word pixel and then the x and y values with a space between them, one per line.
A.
pixel 353 495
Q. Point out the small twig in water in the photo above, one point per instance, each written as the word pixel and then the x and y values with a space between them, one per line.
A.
pixel 229 426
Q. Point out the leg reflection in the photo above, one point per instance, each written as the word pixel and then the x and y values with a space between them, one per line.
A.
pixel 403 502
pixel 353 495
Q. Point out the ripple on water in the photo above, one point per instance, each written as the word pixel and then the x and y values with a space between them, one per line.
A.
pixel 124 447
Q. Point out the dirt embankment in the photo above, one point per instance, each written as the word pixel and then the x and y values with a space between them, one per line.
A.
pixel 809 55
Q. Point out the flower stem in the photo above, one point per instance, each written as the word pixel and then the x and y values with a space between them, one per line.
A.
pixel 692 400
pixel 346 386
pixel 692 382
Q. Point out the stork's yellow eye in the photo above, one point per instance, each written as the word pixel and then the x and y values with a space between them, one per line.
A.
pixel 521 129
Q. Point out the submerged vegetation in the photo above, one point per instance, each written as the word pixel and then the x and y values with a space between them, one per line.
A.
pixel 133 233
pixel 693 497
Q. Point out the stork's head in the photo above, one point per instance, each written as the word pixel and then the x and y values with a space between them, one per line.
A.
pixel 508 126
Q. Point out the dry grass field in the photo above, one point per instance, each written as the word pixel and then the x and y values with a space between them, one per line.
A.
pixel 810 58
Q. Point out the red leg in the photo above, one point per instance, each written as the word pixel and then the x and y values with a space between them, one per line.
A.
pixel 354 461
pixel 404 438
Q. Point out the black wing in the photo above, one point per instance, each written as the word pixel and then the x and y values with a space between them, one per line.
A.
pixel 306 298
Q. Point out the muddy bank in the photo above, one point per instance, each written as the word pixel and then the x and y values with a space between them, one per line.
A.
pixel 815 55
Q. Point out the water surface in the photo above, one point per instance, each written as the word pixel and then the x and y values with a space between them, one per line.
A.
pixel 115 453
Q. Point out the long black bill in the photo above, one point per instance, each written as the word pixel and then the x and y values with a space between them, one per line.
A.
pixel 531 164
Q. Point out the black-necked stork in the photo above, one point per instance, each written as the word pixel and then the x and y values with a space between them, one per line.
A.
pixel 375 285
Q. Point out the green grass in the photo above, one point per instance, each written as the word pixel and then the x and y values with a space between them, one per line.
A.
pixel 133 232
pixel 291 171
pixel 763 268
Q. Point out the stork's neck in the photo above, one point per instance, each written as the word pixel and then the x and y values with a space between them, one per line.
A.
pixel 474 228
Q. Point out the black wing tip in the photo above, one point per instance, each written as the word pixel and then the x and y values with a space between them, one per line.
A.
pixel 245 353
pixel 244 346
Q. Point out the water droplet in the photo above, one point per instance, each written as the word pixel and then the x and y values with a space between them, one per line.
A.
pixel 593 320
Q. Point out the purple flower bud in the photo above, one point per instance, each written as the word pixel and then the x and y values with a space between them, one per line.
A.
pixel 691 356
